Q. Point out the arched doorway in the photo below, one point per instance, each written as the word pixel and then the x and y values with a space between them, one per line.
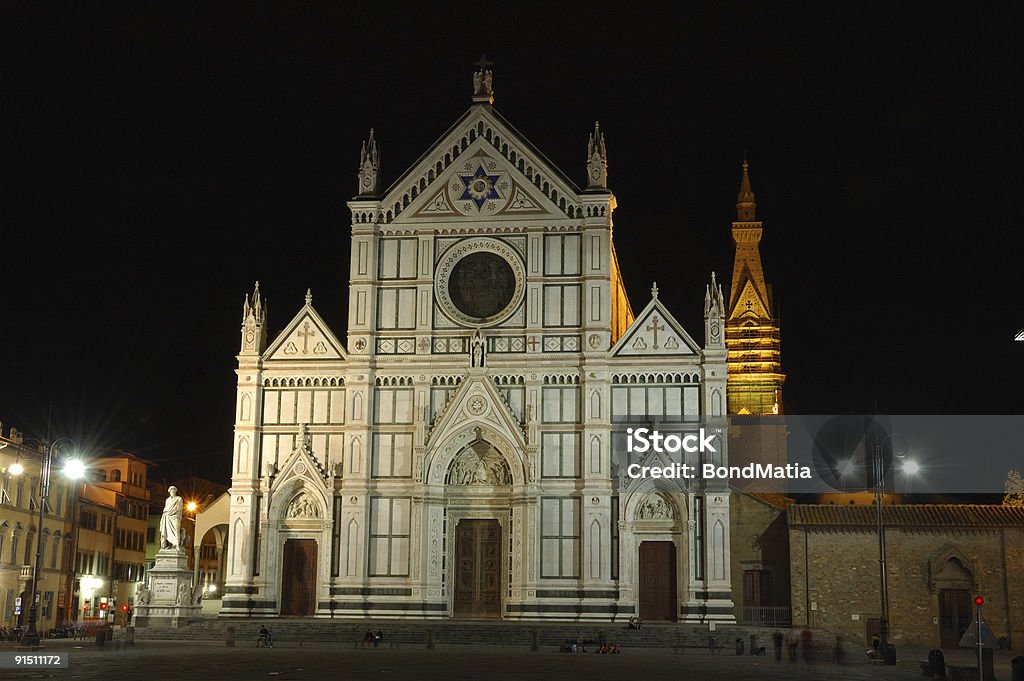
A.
pixel 477 491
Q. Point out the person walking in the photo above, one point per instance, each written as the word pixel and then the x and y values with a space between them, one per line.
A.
pixel 777 641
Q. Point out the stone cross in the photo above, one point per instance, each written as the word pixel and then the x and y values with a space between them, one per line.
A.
pixel 655 328
pixel 306 333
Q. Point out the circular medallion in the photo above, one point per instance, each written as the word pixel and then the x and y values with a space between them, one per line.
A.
pixel 476 406
pixel 300 468
pixel 480 281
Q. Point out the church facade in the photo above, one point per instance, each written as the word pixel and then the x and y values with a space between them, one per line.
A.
pixel 461 454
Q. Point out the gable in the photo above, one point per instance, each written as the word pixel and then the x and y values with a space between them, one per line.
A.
pixel 481 168
pixel 749 303
pixel 307 337
pixel 655 332
pixel 476 400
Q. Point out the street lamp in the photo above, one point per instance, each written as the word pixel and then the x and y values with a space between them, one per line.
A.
pixel 73 469
pixel 910 467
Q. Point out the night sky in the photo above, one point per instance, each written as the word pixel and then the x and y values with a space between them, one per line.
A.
pixel 157 162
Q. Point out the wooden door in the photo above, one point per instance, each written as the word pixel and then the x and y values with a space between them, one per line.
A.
pixel 298 578
pixel 478 568
pixel 955 615
pixel 658 580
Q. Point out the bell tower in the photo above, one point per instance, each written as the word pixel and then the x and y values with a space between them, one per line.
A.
pixel 751 327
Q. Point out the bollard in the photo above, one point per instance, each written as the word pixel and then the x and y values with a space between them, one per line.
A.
pixel 101 638
pixel 937 663
pixel 230 643
pixel 1017 668
pixel 110 633
pixel 129 636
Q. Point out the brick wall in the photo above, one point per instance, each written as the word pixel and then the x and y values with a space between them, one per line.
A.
pixel 835 578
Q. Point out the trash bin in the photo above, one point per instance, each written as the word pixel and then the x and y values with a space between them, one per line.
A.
pixel 890 654
pixel 937 663
pixel 109 631
pixel 101 638
pixel 1017 668
pixel 739 646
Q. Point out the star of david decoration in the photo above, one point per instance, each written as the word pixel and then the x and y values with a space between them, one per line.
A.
pixel 479 187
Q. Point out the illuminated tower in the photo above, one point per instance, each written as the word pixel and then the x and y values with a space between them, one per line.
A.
pixel 751 328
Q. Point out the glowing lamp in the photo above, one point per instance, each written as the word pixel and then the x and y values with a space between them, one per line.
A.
pixel 911 467
pixel 979 601
pixel 191 507
pixel 74 469
pixel 16 468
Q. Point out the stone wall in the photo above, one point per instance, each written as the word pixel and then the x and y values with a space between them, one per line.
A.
pixel 759 541
pixel 835 578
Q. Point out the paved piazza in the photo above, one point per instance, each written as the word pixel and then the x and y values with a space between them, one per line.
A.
pixel 207 661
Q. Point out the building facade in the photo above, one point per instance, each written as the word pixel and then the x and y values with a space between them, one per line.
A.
pixel 20 466
pixel 938 558
pixel 460 454
pixel 110 550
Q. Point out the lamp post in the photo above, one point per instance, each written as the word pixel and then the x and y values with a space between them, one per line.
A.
pixel 910 468
pixel 32 635
pixel 883 620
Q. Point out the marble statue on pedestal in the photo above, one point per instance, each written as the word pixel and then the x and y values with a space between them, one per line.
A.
pixel 170 521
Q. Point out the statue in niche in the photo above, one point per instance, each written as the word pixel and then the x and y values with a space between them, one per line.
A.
pixel 477 349
pixel 654 508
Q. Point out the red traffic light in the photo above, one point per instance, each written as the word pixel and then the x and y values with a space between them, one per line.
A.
pixel 125 607
pixel 103 606
pixel 978 600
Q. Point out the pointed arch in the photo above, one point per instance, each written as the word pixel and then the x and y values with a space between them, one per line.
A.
pixel 357 405
pixel 245 413
pixel 243 456
pixel 717 551
pixel 352 548
pixel 594 550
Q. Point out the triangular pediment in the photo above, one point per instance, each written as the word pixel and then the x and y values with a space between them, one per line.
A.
pixel 481 168
pixel 749 303
pixel 303 463
pixel 478 402
pixel 307 337
pixel 655 332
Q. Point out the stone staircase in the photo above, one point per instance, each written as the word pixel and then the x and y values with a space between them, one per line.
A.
pixel 683 638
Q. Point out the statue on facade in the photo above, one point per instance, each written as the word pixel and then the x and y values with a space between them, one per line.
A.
pixel 170 521
pixel 477 349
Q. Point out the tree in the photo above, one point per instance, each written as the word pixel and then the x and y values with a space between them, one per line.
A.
pixel 1014 489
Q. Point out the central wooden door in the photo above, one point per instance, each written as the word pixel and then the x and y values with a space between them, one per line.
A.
pixel 658 580
pixel 955 615
pixel 298 578
pixel 478 568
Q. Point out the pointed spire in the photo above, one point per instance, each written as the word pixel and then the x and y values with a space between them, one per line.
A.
pixel 483 81
pixel 745 199
pixel 597 160
pixel 254 317
pixel 714 300
pixel 309 296
pixel 369 168
pixel 257 303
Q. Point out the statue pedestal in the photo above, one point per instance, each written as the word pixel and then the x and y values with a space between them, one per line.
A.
pixel 170 600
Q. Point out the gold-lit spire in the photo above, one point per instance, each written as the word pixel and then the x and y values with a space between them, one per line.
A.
pixel 751 327
pixel 745 204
